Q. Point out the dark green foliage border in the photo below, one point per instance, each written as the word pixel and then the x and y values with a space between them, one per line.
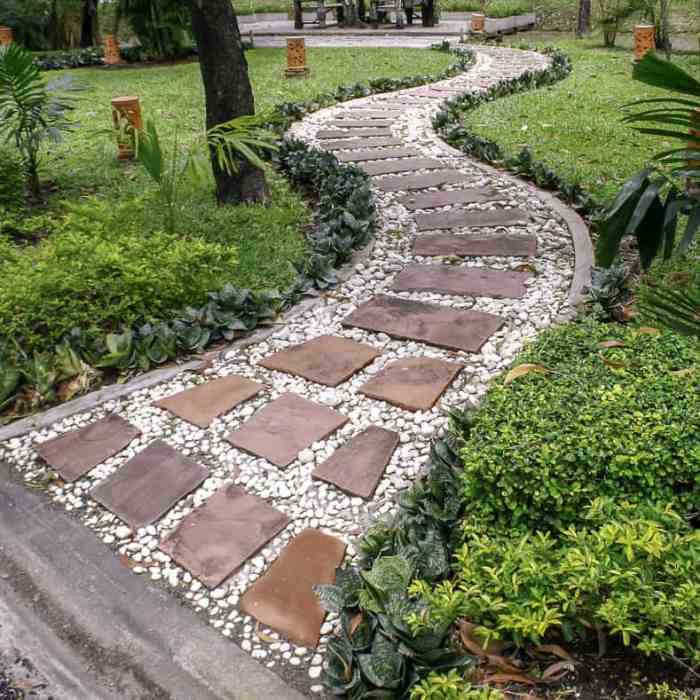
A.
pixel 345 222
pixel 448 123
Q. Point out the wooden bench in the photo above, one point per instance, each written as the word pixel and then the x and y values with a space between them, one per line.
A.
pixel 320 8
pixel 399 7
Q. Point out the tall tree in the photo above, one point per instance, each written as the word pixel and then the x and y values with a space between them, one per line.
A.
pixel 583 25
pixel 227 91
pixel 89 23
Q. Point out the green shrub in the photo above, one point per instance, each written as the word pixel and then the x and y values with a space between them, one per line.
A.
pixel 597 421
pixel 507 8
pixel 630 571
pixel 451 686
pixel 101 271
pixel 11 181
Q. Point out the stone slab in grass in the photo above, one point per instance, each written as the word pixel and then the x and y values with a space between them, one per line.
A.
pixel 377 154
pixel 327 360
pixel 284 599
pixel 359 123
pixel 445 198
pixel 422 181
pixel 216 539
pixel 201 404
pixel 461 281
pixel 350 144
pixel 403 165
pixel 428 244
pixel 433 324
pixel 470 218
pixel 149 484
pixel 282 429
pixel 414 384
pixel 358 465
pixel 75 453
pixel 323 134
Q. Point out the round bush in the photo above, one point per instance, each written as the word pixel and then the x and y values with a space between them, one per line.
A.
pixel 617 413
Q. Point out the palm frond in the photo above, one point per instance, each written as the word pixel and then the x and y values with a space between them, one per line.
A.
pixel 674 308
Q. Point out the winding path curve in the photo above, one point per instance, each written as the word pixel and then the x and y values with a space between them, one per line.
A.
pixel 469 264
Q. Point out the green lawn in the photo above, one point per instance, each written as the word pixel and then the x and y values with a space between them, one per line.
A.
pixel 574 126
pixel 103 260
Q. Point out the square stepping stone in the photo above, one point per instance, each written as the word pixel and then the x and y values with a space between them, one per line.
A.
pixel 204 402
pixel 365 113
pixel 326 360
pixel 359 123
pixel 358 465
pixel 322 134
pixel 444 198
pixel 282 429
pixel 284 599
pixel 376 154
pixel 461 281
pixel 149 484
pixel 414 384
pixel 462 218
pixel 433 324
pixel 217 538
pixel 350 144
pixel 404 165
pixel 422 181
pixel 429 244
pixel 75 453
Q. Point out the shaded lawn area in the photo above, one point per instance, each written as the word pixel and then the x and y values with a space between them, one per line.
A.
pixel 97 256
pixel 574 126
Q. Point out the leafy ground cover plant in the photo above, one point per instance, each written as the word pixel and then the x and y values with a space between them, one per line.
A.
pixel 627 571
pixel 594 410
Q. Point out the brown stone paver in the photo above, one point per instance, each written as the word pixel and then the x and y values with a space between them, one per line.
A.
pixel 469 218
pixel 323 134
pixel 217 538
pixel 376 154
pixel 505 245
pixel 327 360
pixel 403 165
pixel 434 324
pixel 149 484
pixel 284 599
pixel 359 123
pixel 372 142
pixel 201 404
pixel 282 429
pixel 359 112
pixel 406 183
pixel 443 198
pixel 75 453
pixel 358 465
pixel 414 384
pixel 458 281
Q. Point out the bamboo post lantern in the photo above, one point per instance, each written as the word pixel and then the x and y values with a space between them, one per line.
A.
pixel 126 114
pixel 5 36
pixel 112 57
pixel 477 24
pixel 643 40
pixel 296 58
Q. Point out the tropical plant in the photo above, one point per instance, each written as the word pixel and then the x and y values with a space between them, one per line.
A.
pixel 651 204
pixel 161 25
pixel 677 308
pixel 31 111
pixel 240 139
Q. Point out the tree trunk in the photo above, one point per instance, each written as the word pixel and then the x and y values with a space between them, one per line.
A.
pixel 583 26
pixel 227 91
pixel 89 24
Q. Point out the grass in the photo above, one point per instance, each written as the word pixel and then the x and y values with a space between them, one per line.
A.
pixel 96 255
pixel 574 126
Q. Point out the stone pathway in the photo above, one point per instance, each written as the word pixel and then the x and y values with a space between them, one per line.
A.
pixel 238 487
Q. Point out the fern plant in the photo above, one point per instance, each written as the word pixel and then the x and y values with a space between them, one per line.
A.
pixel 31 111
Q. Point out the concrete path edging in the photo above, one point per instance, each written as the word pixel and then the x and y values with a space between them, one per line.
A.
pixel 104 634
